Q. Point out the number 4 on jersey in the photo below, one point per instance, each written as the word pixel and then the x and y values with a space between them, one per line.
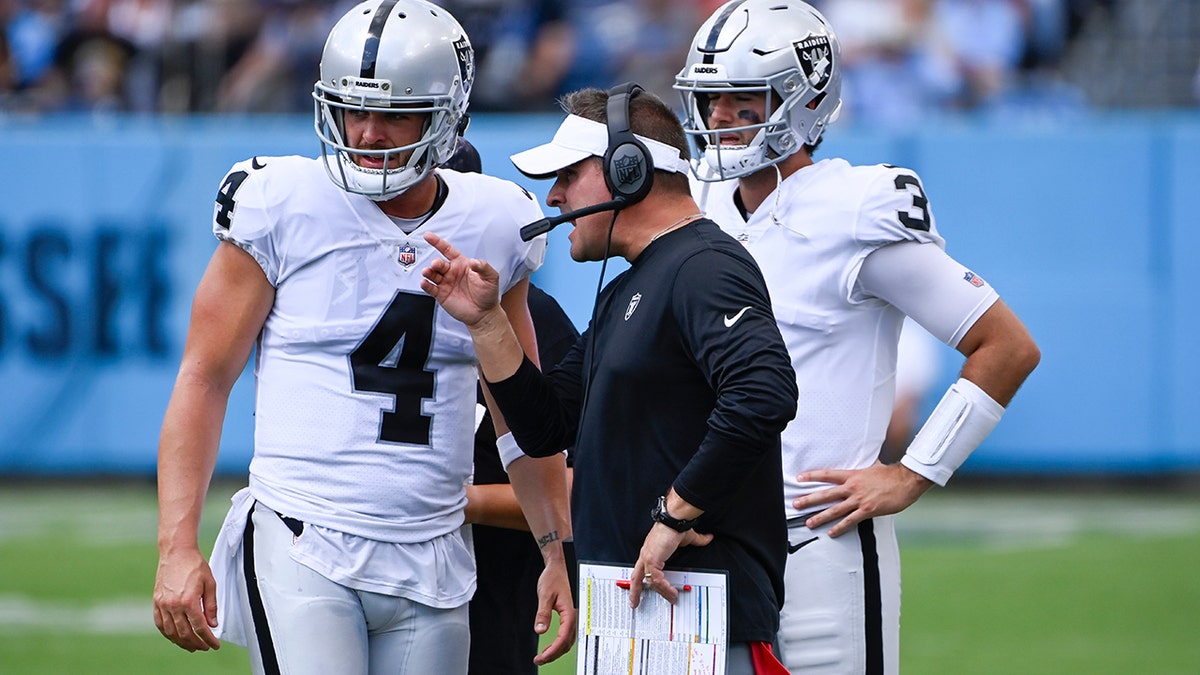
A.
pixel 225 200
pixel 225 194
pixel 391 360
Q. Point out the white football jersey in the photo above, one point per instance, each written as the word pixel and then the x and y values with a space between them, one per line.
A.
pixel 810 238
pixel 365 387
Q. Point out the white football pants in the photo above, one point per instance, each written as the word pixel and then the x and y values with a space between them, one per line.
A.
pixel 306 624
pixel 841 612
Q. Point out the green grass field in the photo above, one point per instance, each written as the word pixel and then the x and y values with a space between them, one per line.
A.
pixel 996 581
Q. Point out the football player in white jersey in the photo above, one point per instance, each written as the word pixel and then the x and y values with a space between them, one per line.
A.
pixel 345 554
pixel 847 252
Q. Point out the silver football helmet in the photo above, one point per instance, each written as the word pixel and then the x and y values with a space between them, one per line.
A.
pixel 388 54
pixel 784 48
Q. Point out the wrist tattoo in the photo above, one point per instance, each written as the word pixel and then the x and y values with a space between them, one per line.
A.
pixel 550 536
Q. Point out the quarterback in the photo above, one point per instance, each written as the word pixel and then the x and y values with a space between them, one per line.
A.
pixel 345 553
pixel 847 252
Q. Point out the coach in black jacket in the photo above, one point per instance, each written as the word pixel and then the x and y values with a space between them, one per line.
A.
pixel 679 388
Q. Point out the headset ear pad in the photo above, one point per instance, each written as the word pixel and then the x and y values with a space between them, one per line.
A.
pixel 628 166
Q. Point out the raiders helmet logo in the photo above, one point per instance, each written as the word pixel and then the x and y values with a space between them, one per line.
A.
pixel 633 303
pixel 816 60
pixel 466 62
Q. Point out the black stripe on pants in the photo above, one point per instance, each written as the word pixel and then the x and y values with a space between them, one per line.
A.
pixel 262 632
pixel 872 598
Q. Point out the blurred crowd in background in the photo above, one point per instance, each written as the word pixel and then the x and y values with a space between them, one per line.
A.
pixel 902 59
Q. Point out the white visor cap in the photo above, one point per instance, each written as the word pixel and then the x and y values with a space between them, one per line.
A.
pixel 577 139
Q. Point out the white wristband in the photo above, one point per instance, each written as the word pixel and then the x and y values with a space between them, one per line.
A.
pixel 509 450
pixel 959 423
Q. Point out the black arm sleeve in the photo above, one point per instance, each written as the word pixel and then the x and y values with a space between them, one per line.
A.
pixel 555 335
pixel 539 409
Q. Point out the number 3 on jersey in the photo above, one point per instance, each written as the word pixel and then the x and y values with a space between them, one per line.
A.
pixel 391 360
pixel 920 203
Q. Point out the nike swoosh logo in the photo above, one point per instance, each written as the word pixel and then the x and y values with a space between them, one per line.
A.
pixel 792 548
pixel 255 164
pixel 730 320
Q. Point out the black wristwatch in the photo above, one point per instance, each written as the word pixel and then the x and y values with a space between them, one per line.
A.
pixel 659 515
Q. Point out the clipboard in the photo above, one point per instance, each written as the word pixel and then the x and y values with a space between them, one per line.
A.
pixel 658 638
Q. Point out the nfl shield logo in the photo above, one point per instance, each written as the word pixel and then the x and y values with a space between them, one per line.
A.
pixel 406 255
pixel 974 279
pixel 816 60
pixel 629 169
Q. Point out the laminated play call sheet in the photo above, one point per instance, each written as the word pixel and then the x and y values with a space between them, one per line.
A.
pixel 657 638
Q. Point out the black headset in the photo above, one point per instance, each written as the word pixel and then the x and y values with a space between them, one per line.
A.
pixel 628 165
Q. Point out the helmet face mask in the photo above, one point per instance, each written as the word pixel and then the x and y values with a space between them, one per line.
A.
pixel 384 56
pixel 781 48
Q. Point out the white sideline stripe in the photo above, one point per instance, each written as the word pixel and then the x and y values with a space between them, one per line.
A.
pixel 20 614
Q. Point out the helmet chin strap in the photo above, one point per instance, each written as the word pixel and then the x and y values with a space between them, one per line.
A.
pixel 725 159
pixel 775 204
pixel 741 160
pixel 378 184
pixel 778 189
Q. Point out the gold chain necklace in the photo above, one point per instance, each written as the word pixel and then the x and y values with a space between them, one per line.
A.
pixel 674 225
